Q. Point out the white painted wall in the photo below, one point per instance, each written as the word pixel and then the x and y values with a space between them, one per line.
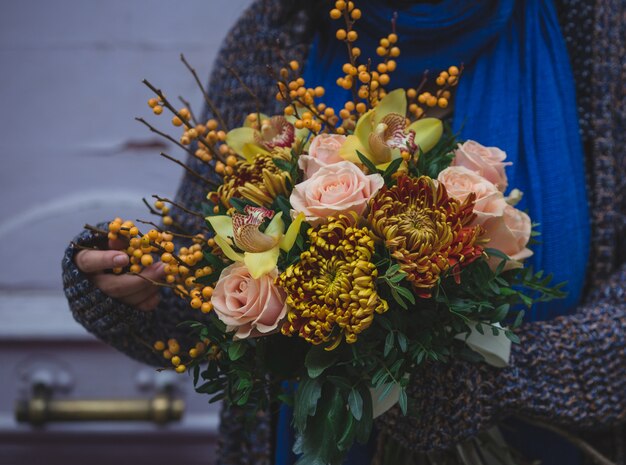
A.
pixel 70 73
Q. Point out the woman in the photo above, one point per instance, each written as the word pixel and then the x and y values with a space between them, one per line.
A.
pixel 517 93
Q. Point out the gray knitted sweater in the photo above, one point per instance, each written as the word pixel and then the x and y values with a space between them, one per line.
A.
pixel 570 371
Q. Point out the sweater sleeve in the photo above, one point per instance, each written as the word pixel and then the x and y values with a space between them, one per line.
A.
pixel 124 327
pixel 570 372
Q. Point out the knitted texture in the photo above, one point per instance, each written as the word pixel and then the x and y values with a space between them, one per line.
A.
pixel 570 371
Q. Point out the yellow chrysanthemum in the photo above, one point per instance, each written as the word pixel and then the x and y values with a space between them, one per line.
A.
pixel 331 291
pixel 258 180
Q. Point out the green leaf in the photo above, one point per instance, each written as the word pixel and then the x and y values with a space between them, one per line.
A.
pixel 408 295
pixel 355 402
pixel 366 161
pixel 388 344
pixel 519 318
pixel 318 359
pixel 347 438
pixel 305 404
pixel 212 259
pixel 339 381
pixel 479 328
pixel 363 427
pixel 512 337
pixel 240 204
pixel 392 168
pixel 402 342
pixel 500 313
pixel 398 299
pixel 403 401
pixel 237 350
pixel 283 165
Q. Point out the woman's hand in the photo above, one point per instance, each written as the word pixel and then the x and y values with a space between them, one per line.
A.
pixel 129 289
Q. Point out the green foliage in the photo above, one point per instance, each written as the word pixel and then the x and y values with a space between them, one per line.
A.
pixel 438 158
pixel 387 173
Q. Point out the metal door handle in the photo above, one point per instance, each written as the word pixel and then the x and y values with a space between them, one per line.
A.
pixel 41 408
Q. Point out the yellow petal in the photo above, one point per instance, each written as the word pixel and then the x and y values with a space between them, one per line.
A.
pixel 349 148
pixel 250 151
pixel 223 226
pixel 276 228
pixel 238 137
pixel 428 131
pixel 228 250
pixel 262 262
pixel 364 126
pixel 393 102
pixel 290 236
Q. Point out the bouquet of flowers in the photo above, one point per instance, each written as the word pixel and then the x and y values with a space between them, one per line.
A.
pixel 340 249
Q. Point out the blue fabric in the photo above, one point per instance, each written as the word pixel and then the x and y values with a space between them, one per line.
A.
pixel 517 93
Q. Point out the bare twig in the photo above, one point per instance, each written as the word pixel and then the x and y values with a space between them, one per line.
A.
pixel 185 121
pixel 208 101
pixel 150 209
pixel 160 229
pixel 177 205
pixel 188 106
pixel 96 230
pixel 162 134
pixel 189 170
pixel 152 281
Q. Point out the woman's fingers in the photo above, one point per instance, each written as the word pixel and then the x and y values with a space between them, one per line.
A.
pixel 96 261
pixel 139 297
pixel 125 285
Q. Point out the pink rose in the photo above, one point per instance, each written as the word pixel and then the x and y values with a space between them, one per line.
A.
pixel 486 161
pixel 461 182
pixel 510 234
pixel 250 306
pixel 334 189
pixel 323 151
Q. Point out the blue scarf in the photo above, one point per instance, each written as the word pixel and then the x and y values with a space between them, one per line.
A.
pixel 517 93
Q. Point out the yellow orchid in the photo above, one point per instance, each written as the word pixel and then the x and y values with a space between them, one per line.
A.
pixel 274 132
pixel 260 249
pixel 381 133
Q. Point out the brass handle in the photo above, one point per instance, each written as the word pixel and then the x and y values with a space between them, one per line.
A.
pixel 41 409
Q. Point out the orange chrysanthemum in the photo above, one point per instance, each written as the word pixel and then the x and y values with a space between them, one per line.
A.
pixel 426 231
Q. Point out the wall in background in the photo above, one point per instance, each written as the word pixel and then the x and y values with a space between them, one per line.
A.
pixel 70 87
pixel 71 153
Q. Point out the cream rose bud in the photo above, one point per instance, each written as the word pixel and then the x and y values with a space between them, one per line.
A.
pixel 460 182
pixel 323 151
pixel 486 161
pixel 334 189
pixel 510 234
pixel 251 307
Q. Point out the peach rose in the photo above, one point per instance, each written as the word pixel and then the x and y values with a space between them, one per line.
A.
pixel 334 189
pixel 323 151
pixel 460 182
pixel 510 234
pixel 252 307
pixel 486 161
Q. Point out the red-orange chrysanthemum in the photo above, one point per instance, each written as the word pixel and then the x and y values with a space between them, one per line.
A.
pixel 425 230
